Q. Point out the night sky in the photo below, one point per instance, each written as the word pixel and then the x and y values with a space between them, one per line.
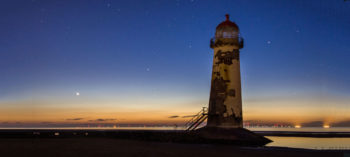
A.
pixel 150 62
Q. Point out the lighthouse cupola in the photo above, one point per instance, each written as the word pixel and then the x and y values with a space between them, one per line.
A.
pixel 227 32
pixel 227 29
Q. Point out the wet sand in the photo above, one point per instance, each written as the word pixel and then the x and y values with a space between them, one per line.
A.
pixel 86 147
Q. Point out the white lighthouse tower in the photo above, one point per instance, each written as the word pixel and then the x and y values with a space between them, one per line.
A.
pixel 225 104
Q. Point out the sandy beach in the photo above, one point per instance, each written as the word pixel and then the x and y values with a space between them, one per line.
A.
pixel 69 147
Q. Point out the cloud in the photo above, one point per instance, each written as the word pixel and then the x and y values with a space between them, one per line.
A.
pixel 76 119
pixel 175 116
pixel 102 120
pixel 188 116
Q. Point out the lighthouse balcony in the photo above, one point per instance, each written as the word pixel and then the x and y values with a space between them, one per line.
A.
pixel 233 41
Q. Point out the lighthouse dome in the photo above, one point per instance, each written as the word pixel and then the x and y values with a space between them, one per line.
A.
pixel 227 29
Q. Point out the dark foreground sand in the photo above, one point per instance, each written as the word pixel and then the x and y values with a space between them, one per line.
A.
pixel 86 147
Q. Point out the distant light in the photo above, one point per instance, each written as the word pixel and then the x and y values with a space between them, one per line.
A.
pixel 148 69
pixel 268 42
pixel 297 126
pixel 77 93
pixel 57 133
pixel 326 126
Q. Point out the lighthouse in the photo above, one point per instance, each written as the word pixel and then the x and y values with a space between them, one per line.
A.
pixel 225 102
pixel 225 122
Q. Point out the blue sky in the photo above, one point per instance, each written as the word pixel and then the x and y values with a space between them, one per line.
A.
pixel 154 56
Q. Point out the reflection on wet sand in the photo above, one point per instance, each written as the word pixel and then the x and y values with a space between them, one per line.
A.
pixel 310 142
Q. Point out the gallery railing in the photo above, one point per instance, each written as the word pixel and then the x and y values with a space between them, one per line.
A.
pixel 236 41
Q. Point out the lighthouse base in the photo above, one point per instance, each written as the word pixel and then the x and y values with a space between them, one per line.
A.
pixel 236 136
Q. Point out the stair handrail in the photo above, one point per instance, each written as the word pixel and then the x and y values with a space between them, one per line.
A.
pixel 202 111
pixel 197 123
pixel 197 119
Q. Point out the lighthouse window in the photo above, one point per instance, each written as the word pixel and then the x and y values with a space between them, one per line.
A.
pixel 227 34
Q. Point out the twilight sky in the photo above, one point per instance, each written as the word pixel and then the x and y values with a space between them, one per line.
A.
pixel 150 61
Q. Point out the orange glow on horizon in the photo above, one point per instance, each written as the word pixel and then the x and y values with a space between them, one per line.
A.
pixel 293 112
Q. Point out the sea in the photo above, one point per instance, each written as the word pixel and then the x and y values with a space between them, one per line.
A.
pixel 319 143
